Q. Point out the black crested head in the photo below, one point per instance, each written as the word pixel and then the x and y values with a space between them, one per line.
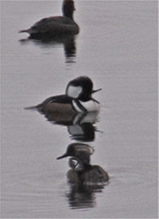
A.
pixel 80 88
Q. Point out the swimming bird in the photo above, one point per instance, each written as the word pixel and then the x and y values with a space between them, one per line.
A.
pixel 77 99
pixel 81 170
pixel 56 25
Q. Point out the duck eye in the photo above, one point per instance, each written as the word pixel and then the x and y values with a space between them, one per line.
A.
pixel 73 91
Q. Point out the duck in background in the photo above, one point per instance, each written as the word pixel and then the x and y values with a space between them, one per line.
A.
pixel 78 99
pixel 55 26
pixel 82 172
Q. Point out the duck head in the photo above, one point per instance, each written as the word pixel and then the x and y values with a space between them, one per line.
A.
pixel 79 151
pixel 81 88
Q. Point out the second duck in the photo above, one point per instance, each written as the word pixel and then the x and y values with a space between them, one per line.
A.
pixel 55 26
pixel 77 99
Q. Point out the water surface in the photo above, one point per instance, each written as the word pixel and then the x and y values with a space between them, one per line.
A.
pixel 117 48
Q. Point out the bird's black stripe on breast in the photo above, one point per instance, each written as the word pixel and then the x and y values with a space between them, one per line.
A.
pixel 79 105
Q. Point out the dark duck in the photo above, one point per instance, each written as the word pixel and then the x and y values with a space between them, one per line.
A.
pixel 77 99
pixel 55 26
pixel 82 171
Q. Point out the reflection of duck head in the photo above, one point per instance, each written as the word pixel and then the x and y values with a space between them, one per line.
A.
pixel 78 98
pixel 55 26
pixel 81 170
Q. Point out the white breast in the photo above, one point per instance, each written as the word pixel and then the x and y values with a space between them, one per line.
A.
pixel 90 106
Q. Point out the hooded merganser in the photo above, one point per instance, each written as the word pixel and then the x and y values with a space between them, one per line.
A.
pixel 81 170
pixel 57 25
pixel 78 98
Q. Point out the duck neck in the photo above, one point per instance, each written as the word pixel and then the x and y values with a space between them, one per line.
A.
pixel 68 8
pixel 80 165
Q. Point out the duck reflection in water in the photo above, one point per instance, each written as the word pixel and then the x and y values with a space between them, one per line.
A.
pixel 68 43
pixel 81 127
pixel 84 178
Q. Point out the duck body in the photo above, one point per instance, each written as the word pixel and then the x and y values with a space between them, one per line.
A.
pixel 56 104
pixel 56 25
pixel 65 104
pixel 52 27
pixel 77 99
pixel 92 175
pixel 83 172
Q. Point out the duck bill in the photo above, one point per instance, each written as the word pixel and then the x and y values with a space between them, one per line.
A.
pixel 63 156
pixel 94 91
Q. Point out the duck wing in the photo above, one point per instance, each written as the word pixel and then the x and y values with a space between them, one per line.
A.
pixel 64 99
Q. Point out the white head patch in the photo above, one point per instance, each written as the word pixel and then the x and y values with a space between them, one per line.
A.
pixel 73 91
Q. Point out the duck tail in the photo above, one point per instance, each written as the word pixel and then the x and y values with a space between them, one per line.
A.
pixel 30 108
pixel 24 31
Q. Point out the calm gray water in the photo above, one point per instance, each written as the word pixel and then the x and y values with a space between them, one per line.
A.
pixel 117 48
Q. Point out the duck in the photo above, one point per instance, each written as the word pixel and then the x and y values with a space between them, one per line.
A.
pixel 77 99
pixel 82 172
pixel 56 25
